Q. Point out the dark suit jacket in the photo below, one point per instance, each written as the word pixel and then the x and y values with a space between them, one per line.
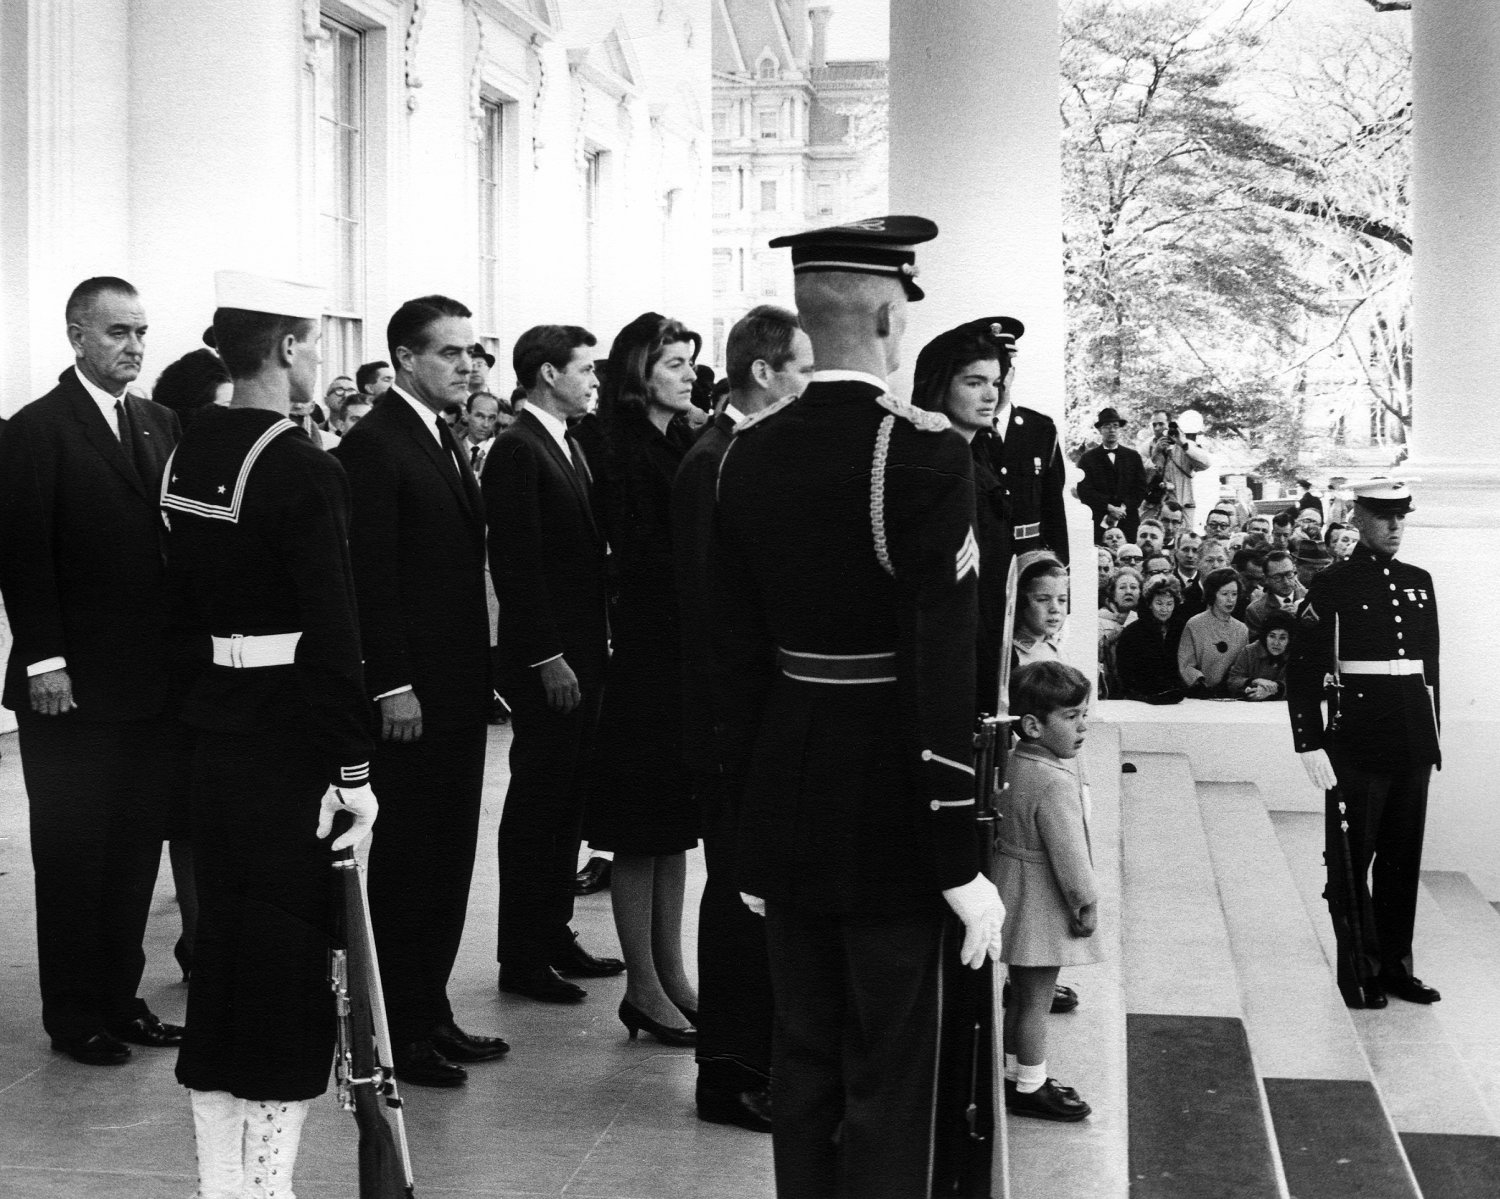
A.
pixel 693 496
pixel 416 541
pixel 81 543
pixel 546 556
pixel 1105 483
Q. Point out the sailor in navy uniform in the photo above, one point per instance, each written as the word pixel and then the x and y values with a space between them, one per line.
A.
pixel 1369 626
pixel 262 613
pixel 845 569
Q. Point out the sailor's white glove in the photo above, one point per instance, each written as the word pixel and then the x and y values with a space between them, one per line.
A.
pixel 755 903
pixel 978 905
pixel 360 803
pixel 1319 769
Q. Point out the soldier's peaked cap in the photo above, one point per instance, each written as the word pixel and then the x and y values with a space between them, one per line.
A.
pixel 1387 497
pixel 882 245
pixel 261 293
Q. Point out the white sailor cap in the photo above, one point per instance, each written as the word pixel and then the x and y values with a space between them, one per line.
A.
pixel 1388 496
pixel 261 293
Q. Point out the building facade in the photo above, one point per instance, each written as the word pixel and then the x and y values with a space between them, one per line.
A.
pixel 798 141
pixel 540 160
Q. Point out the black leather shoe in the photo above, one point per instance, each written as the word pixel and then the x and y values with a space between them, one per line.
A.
pixel 1366 995
pixel 744 1109
pixel 577 962
pixel 1048 1102
pixel 101 1049
pixel 420 1063
pixel 542 983
pixel 459 1046
pixel 147 1030
pixel 1409 988
pixel 636 1021
pixel 593 877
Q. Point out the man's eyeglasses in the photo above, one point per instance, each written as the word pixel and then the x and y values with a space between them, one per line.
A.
pixel 1273 575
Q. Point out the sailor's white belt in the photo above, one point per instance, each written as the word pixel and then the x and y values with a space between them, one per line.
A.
pixel 1394 666
pixel 837 668
pixel 272 649
pixel 1024 531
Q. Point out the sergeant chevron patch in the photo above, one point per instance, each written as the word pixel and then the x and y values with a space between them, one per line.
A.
pixel 968 556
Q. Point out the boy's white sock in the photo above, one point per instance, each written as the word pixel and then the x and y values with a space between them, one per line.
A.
pixel 1030 1078
pixel 1010 1066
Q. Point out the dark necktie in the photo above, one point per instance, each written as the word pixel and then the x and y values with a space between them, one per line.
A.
pixel 476 456
pixel 130 443
pixel 580 464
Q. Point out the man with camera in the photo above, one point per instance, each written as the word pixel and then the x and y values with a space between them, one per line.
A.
pixel 1176 458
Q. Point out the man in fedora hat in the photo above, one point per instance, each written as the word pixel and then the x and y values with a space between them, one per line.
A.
pixel 1114 479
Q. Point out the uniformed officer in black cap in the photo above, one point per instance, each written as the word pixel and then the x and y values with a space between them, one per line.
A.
pixel 1369 624
pixel 846 565
pixel 262 610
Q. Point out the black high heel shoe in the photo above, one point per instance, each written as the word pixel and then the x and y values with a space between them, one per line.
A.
pixel 690 1012
pixel 183 952
pixel 636 1021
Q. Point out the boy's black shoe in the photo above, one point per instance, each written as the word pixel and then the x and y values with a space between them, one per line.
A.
pixel 1048 1102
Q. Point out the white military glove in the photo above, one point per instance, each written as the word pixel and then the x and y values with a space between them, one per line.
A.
pixel 360 803
pixel 755 903
pixel 978 905
pixel 1319 769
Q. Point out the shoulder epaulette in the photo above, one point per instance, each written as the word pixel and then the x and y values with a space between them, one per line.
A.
pixel 928 422
pixel 755 418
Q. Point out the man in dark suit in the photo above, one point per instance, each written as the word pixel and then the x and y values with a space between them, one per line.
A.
pixel 82 576
pixel 547 562
pixel 416 540
pixel 1114 479
pixel 769 358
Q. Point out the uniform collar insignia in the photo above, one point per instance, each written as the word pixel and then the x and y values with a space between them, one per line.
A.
pixel 928 422
pixel 754 419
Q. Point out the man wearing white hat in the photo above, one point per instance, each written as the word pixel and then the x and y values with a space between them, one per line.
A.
pixel 1370 623
pixel 263 621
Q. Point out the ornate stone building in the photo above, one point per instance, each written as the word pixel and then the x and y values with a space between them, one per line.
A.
pixel 798 141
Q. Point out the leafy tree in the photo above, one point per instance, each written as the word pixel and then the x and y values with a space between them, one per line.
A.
pixel 1184 287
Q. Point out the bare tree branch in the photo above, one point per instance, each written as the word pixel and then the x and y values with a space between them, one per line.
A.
pixel 1390 5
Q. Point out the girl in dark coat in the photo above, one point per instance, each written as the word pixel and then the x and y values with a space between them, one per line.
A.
pixel 1146 652
pixel 642 805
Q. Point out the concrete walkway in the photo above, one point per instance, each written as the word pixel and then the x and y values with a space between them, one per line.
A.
pixel 576 1110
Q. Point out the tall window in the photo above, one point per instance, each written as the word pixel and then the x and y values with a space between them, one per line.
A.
pixel 593 184
pixel 341 195
pixel 768 195
pixel 492 137
pixel 770 122
pixel 721 197
pixel 723 271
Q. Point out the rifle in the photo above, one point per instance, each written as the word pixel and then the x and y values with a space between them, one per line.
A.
pixel 1351 945
pixel 362 1063
pixel 980 1166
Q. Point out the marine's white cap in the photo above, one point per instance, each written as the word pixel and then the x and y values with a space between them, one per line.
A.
pixel 261 293
pixel 1383 495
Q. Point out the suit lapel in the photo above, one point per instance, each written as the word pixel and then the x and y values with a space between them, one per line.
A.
pixel 101 436
pixel 549 443
pixel 438 454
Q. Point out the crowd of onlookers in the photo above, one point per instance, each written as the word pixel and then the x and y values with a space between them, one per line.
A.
pixel 1210 614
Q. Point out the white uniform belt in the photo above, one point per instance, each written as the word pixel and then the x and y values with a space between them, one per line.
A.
pixel 239 651
pixel 1024 531
pixel 1394 666
pixel 837 668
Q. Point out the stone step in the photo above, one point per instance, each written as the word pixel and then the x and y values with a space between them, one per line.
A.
pixel 1086 1048
pixel 1416 1061
pixel 1198 1121
pixel 1334 1136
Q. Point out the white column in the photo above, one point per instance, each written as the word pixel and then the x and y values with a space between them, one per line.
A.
pixel 1456 209
pixel 975 137
pixel 214 150
pixel 1455 530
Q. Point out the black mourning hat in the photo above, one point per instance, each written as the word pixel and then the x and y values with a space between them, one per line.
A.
pixel 881 245
pixel 940 356
pixel 1109 417
pixel 477 350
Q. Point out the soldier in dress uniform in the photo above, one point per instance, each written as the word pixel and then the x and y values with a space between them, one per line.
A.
pixel 845 569
pixel 1369 625
pixel 262 613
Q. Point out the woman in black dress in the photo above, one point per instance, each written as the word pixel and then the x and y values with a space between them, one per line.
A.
pixel 642 805
pixel 1146 653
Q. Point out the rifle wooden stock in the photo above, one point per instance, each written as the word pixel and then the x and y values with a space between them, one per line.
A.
pixel 363 1064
